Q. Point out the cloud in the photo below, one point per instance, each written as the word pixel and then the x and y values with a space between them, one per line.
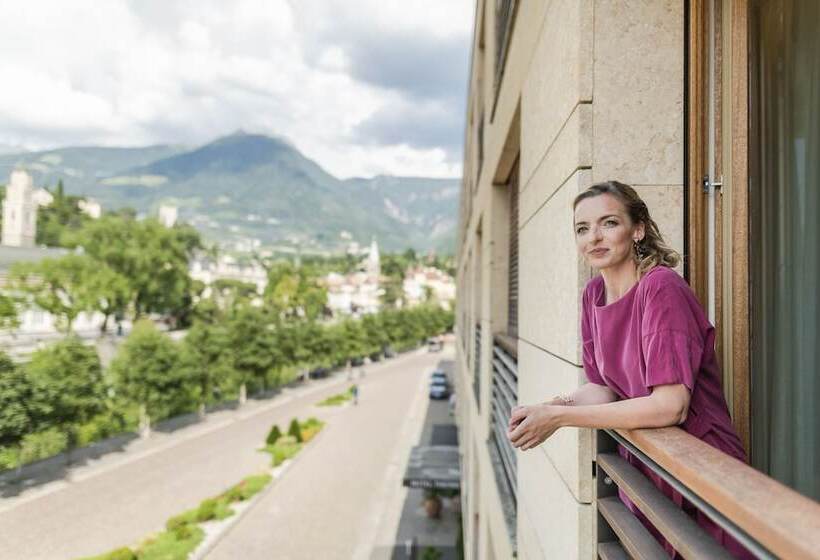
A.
pixel 362 87
pixel 418 124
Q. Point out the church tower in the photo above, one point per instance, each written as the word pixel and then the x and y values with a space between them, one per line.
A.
pixel 374 268
pixel 19 211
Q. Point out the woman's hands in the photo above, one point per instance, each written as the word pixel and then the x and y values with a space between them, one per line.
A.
pixel 530 426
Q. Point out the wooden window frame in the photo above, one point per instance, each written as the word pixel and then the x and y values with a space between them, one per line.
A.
pixel 732 318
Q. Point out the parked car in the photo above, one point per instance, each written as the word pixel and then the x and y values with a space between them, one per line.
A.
pixel 439 390
pixel 318 373
pixel 434 345
pixel 439 376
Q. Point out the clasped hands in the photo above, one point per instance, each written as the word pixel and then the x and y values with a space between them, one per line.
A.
pixel 530 426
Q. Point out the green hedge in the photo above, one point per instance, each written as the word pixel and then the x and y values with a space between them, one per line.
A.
pixel 182 532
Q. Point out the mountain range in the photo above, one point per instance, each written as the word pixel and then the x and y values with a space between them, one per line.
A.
pixel 245 187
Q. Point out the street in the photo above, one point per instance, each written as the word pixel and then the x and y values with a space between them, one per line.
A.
pixel 323 506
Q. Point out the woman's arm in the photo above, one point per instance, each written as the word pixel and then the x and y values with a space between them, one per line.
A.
pixel 588 393
pixel 667 405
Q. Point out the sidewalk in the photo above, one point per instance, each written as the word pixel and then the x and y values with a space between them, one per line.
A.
pixel 416 532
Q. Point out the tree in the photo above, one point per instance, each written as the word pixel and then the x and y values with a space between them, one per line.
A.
pixel 229 293
pixel 107 292
pixel 60 286
pixel 146 372
pixel 253 345
pixel 67 377
pixel 152 257
pixel 8 312
pixel 62 215
pixel 393 292
pixel 20 410
pixel 295 292
pixel 374 332
pixel 206 358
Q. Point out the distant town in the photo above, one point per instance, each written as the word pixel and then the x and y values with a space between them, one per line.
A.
pixel 357 288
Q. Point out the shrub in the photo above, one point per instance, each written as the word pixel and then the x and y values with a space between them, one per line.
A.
pixel 284 449
pixel 109 423
pixel 274 434
pixel 206 510
pixel 309 433
pixel 312 421
pixel 9 457
pixel 166 546
pixel 294 430
pixel 178 521
pixel 42 445
pixel 182 532
pixel 253 484
pixel 310 428
pixel 431 553
pixel 123 553
pixel 234 494
pixel 336 400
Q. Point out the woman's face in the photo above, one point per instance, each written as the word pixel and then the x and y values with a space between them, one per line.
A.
pixel 604 233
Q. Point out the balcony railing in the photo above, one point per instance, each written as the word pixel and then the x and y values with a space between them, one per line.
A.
pixel 477 366
pixel 504 396
pixel 504 13
pixel 766 517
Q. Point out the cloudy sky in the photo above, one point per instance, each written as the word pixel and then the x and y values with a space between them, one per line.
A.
pixel 361 86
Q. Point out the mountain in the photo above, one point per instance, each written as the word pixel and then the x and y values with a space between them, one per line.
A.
pixel 249 186
pixel 425 205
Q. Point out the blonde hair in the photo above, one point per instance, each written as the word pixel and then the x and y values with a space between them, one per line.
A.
pixel 652 250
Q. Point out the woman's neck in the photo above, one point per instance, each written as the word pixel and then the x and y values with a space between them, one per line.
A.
pixel 619 280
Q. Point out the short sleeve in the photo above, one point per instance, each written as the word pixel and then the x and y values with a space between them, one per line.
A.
pixel 590 366
pixel 672 341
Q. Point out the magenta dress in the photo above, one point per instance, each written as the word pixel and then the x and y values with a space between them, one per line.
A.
pixel 658 334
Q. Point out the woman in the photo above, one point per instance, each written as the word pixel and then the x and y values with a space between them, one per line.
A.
pixel 648 348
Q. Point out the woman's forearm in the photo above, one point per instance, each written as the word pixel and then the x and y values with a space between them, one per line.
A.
pixel 640 412
pixel 587 394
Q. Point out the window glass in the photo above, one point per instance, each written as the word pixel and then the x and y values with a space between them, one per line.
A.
pixel 784 160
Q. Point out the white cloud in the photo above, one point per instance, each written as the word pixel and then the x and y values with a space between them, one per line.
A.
pixel 132 73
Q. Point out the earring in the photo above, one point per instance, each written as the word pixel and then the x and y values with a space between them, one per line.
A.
pixel 639 251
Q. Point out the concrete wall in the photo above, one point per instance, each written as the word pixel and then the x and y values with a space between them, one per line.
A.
pixel 592 90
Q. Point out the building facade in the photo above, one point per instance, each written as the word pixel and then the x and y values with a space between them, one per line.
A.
pixel 711 110
pixel 19 211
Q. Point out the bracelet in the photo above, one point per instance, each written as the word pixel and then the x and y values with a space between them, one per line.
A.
pixel 564 400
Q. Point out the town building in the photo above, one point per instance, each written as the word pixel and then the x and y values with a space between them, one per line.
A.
pixel 357 293
pixel 90 207
pixel 711 110
pixel 42 197
pixel 425 283
pixel 167 215
pixel 360 292
pixel 227 267
pixel 19 211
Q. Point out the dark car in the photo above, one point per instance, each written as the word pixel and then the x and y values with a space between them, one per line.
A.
pixel 439 390
pixel 318 373
pixel 438 375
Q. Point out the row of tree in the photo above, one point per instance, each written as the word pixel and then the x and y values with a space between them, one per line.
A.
pixel 64 387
